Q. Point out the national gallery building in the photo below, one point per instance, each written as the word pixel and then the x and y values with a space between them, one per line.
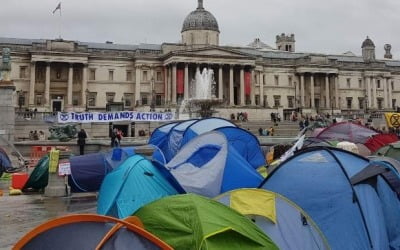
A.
pixel 61 75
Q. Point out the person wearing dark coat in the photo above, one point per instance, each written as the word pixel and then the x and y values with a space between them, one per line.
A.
pixel 82 141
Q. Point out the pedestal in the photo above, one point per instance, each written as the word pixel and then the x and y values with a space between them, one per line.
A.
pixel 58 185
pixel 7 111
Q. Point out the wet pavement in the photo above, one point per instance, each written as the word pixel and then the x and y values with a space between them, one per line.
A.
pixel 20 214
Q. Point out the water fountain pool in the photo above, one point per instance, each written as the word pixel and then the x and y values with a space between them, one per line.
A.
pixel 203 95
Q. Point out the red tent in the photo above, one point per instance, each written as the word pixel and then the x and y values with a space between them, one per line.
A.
pixel 346 131
pixel 377 141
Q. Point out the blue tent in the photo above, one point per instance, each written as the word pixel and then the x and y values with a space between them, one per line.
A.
pixel 204 126
pixel 353 214
pixel 245 143
pixel 160 134
pixel 133 184
pixel 88 171
pixel 175 138
pixel 209 166
pixel 5 162
pixel 288 226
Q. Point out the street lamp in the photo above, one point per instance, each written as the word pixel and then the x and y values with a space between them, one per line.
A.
pixel 87 99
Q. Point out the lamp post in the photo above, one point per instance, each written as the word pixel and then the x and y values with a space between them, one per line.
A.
pixel 87 100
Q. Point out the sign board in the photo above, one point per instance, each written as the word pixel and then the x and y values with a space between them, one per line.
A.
pixel 64 168
pixel 131 116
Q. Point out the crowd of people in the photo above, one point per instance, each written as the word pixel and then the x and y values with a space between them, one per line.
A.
pixel 37 136
pixel 240 116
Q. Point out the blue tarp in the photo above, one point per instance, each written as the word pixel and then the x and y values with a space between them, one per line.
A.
pixel 133 184
pixel 246 144
pixel 5 162
pixel 160 135
pixel 351 217
pixel 209 166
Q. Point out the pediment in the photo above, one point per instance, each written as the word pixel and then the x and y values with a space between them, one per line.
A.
pixel 217 52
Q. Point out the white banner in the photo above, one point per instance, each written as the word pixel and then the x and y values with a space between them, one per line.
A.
pixel 131 116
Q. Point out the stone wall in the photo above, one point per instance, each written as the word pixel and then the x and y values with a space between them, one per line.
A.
pixel 7 117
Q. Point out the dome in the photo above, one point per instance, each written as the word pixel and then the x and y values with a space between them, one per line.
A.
pixel 200 19
pixel 368 43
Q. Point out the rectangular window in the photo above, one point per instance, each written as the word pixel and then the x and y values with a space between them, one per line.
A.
pixel 349 101
pixel 111 75
pixel 290 101
pixel 257 99
pixel 128 76
pixel 378 84
pixel 145 100
pixel 360 83
pixel 145 76
pixel 39 99
pixel 159 100
pixel 159 76
pixel 128 100
pixel 290 79
pixel 277 101
pixel 348 82
pixel 92 74
pixel 22 72
pixel 276 80
pixel 110 97
pixel 361 102
pixel 75 99
pixel 92 99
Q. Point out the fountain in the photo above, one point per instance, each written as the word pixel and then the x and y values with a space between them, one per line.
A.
pixel 203 94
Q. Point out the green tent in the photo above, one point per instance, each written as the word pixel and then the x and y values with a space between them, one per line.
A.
pixel 392 150
pixel 193 222
pixel 39 177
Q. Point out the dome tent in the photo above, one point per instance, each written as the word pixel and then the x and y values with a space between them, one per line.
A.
pixel 346 131
pixel 283 221
pixel 90 232
pixel 209 166
pixel 351 215
pixel 195 222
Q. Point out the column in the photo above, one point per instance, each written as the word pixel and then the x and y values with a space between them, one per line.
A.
pixel 231 92
pixel 312 92
pixel 369 94
pixel 47 86
pixel 302 91
pixel 138 79
pixel 186 86
pixel 374 90
pixel 328 97
pixel 261 79
pixel 166 84
pixel 69 90
pixel 297 92
pixel 32 85
pixel 337 105
pixel 385 93
pixel 174 83
pixel 390 93
pixel 242 96
pixel 252 84
pixel 220 83
pixel 84 85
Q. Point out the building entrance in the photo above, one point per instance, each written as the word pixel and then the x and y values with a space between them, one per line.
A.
pixel 57 105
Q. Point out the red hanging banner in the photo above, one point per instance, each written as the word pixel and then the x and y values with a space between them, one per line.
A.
pixel 180 78
pixel 247 83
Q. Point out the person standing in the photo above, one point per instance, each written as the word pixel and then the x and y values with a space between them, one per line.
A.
pixel 114 142
pixel 82 141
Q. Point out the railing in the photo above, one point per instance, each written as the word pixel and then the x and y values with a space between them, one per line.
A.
pixel 50 117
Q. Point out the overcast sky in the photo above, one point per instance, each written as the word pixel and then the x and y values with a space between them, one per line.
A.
pixel 323 26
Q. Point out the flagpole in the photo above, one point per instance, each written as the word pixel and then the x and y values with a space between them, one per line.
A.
pixel 60 23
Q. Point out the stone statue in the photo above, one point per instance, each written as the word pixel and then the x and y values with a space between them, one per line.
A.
pixel 388 54
pixel 5 67
pixel 63 133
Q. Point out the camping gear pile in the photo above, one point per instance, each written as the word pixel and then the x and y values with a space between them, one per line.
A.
pixel 201 190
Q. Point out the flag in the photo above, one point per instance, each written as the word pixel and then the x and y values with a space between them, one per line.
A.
pixel 57 8
pixel 297 146
pixel 393 120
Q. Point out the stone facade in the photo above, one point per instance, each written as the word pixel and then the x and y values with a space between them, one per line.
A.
pixel 53 75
